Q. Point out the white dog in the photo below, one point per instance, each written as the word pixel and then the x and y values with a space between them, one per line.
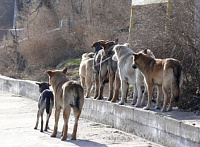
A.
pixel 124 56
pixel 86 72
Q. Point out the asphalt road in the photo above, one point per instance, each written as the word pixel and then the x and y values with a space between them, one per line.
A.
pixel 18 117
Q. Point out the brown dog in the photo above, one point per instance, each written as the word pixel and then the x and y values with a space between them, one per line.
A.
pixel 68 94
pixel 165 73
pixel 86 72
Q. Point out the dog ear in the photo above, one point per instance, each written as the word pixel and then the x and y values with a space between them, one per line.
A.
pixel 135 54
pixel 38 83
pixel 49 72
pixel 145 51
pixel 114 57
pixel 49 84
pixel 94 44
pixel 64 70
pixel 116 40
pixel 104 45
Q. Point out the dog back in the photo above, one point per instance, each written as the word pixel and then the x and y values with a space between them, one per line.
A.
pixel 47 99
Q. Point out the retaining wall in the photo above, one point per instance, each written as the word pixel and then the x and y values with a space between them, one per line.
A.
pixel 173 129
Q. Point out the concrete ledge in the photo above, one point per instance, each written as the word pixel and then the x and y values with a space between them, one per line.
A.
pixel 170 129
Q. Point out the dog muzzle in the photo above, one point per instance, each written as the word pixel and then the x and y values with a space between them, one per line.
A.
pixel 134 66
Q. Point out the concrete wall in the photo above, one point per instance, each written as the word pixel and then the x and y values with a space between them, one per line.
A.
pixel 155 126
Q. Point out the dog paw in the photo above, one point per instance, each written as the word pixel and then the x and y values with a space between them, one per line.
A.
pixel 41 130
pixel 163 110
pixel 73 138
pixel 146 108
pixel 63 139
pixel 157 107
pixel 53 135
pixel 113 101
pixel 169 109
pixel 99 98
pixel 35 128
pixel 136 105
pixel 132 103
pixel 121 103
pixel 109 99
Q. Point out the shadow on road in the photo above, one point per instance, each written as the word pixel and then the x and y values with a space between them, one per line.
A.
pixel 78 142
pixel 87 143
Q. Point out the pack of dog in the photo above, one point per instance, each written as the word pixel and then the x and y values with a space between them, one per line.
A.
pixel 46 101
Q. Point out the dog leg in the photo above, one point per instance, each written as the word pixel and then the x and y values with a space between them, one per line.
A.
pixel 57 114
pixel 47 121
pixel 82 81
pixel 111 81
pixel 38 115
pixel 100 96
pixel 138 86
pixel 165 98
pixel 124 92
pixel 159 97
pixel 66 114
pixel 170 103
pixel 41 114
pixel 96 86
pixel 144 95
pixel 135 94
pixel 150 92
pixel 76 115
pixel 88 86
pixel 117 88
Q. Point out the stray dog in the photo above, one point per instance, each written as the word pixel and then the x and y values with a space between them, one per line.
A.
pixel 165 73
pixel 104 65
pixel 124 56
pixel 86 72
pixel 46 101
pixel 68 94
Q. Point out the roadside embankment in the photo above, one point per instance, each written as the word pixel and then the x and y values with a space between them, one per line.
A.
pixel 172 129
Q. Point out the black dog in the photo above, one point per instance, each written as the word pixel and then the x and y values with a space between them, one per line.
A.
pixel 46 101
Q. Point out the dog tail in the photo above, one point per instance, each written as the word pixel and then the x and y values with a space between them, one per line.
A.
pixel 49 98
pixel 78 100
pixel 176 84
pixel 47 104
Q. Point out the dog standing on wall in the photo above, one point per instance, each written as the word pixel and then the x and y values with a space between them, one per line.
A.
pixel 124 56
pixel 165 73
pixel 86 72
pixel 103 66
pixel 68 94
pixel 46 101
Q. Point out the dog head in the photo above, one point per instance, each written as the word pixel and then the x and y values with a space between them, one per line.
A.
pixel 43 86
pixel 121 50
pixel 108 46
pixel 87 55
pixel 57 76
pixel 97 45
pixel 139 56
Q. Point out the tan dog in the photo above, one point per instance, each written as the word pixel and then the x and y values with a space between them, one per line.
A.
pixel 165 73
pixel 68 94
pixel 86 72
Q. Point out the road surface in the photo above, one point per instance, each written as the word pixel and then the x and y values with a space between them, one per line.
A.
pixel 18 117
